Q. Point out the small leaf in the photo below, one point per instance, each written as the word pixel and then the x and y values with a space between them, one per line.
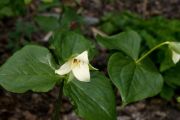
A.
pixel 108 27
pixel 47 23
pixel 27 1
pixel 6 11
pixel 128 42
pixel 31 68
pixel 93 100
pixel 47 1
pixel 135 81
pixel 92 68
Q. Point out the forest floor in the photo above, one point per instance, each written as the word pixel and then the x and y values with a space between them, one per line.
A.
pixel 39 106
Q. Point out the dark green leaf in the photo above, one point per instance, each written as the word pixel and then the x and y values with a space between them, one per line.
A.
pixel 94 100
pixel 128 42
pixel 31 68
pixel 135 81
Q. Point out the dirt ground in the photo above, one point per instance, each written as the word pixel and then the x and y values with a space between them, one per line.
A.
pixel 39 106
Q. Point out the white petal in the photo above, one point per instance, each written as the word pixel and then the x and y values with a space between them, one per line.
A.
pixel 175 57
pixel 175 46
pixel 64 69
pixel 83 57
pixel 81 72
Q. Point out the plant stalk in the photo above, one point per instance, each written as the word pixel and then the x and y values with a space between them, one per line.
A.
pixel 150 51
pixel 58 104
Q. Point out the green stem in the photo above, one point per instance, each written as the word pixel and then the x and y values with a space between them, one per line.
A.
pixel 150 51
pixel 56 114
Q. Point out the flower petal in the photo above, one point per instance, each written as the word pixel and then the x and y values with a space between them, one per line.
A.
pixel 175 46
pixel 64 69
pixel 175 57
pixel 83 57
pixel 81 72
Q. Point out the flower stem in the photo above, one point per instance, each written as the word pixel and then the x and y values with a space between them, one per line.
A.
pixel 150 51
pixel 56 114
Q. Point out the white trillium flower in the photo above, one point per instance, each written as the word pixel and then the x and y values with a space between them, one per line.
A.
pixel 175 57
pixel 79 66
pixel 175 47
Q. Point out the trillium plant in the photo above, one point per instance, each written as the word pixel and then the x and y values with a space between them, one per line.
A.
pixel 66 64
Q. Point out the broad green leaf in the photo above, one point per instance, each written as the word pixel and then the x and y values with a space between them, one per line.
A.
pixel 93 100
pixel 31 68
pixel 135 81
pixel 68 43
pixel 128 42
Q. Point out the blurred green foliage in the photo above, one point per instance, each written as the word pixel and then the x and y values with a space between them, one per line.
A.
pixel 24 23
pixel 21 35
pixel 9 8
pixel 153 31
